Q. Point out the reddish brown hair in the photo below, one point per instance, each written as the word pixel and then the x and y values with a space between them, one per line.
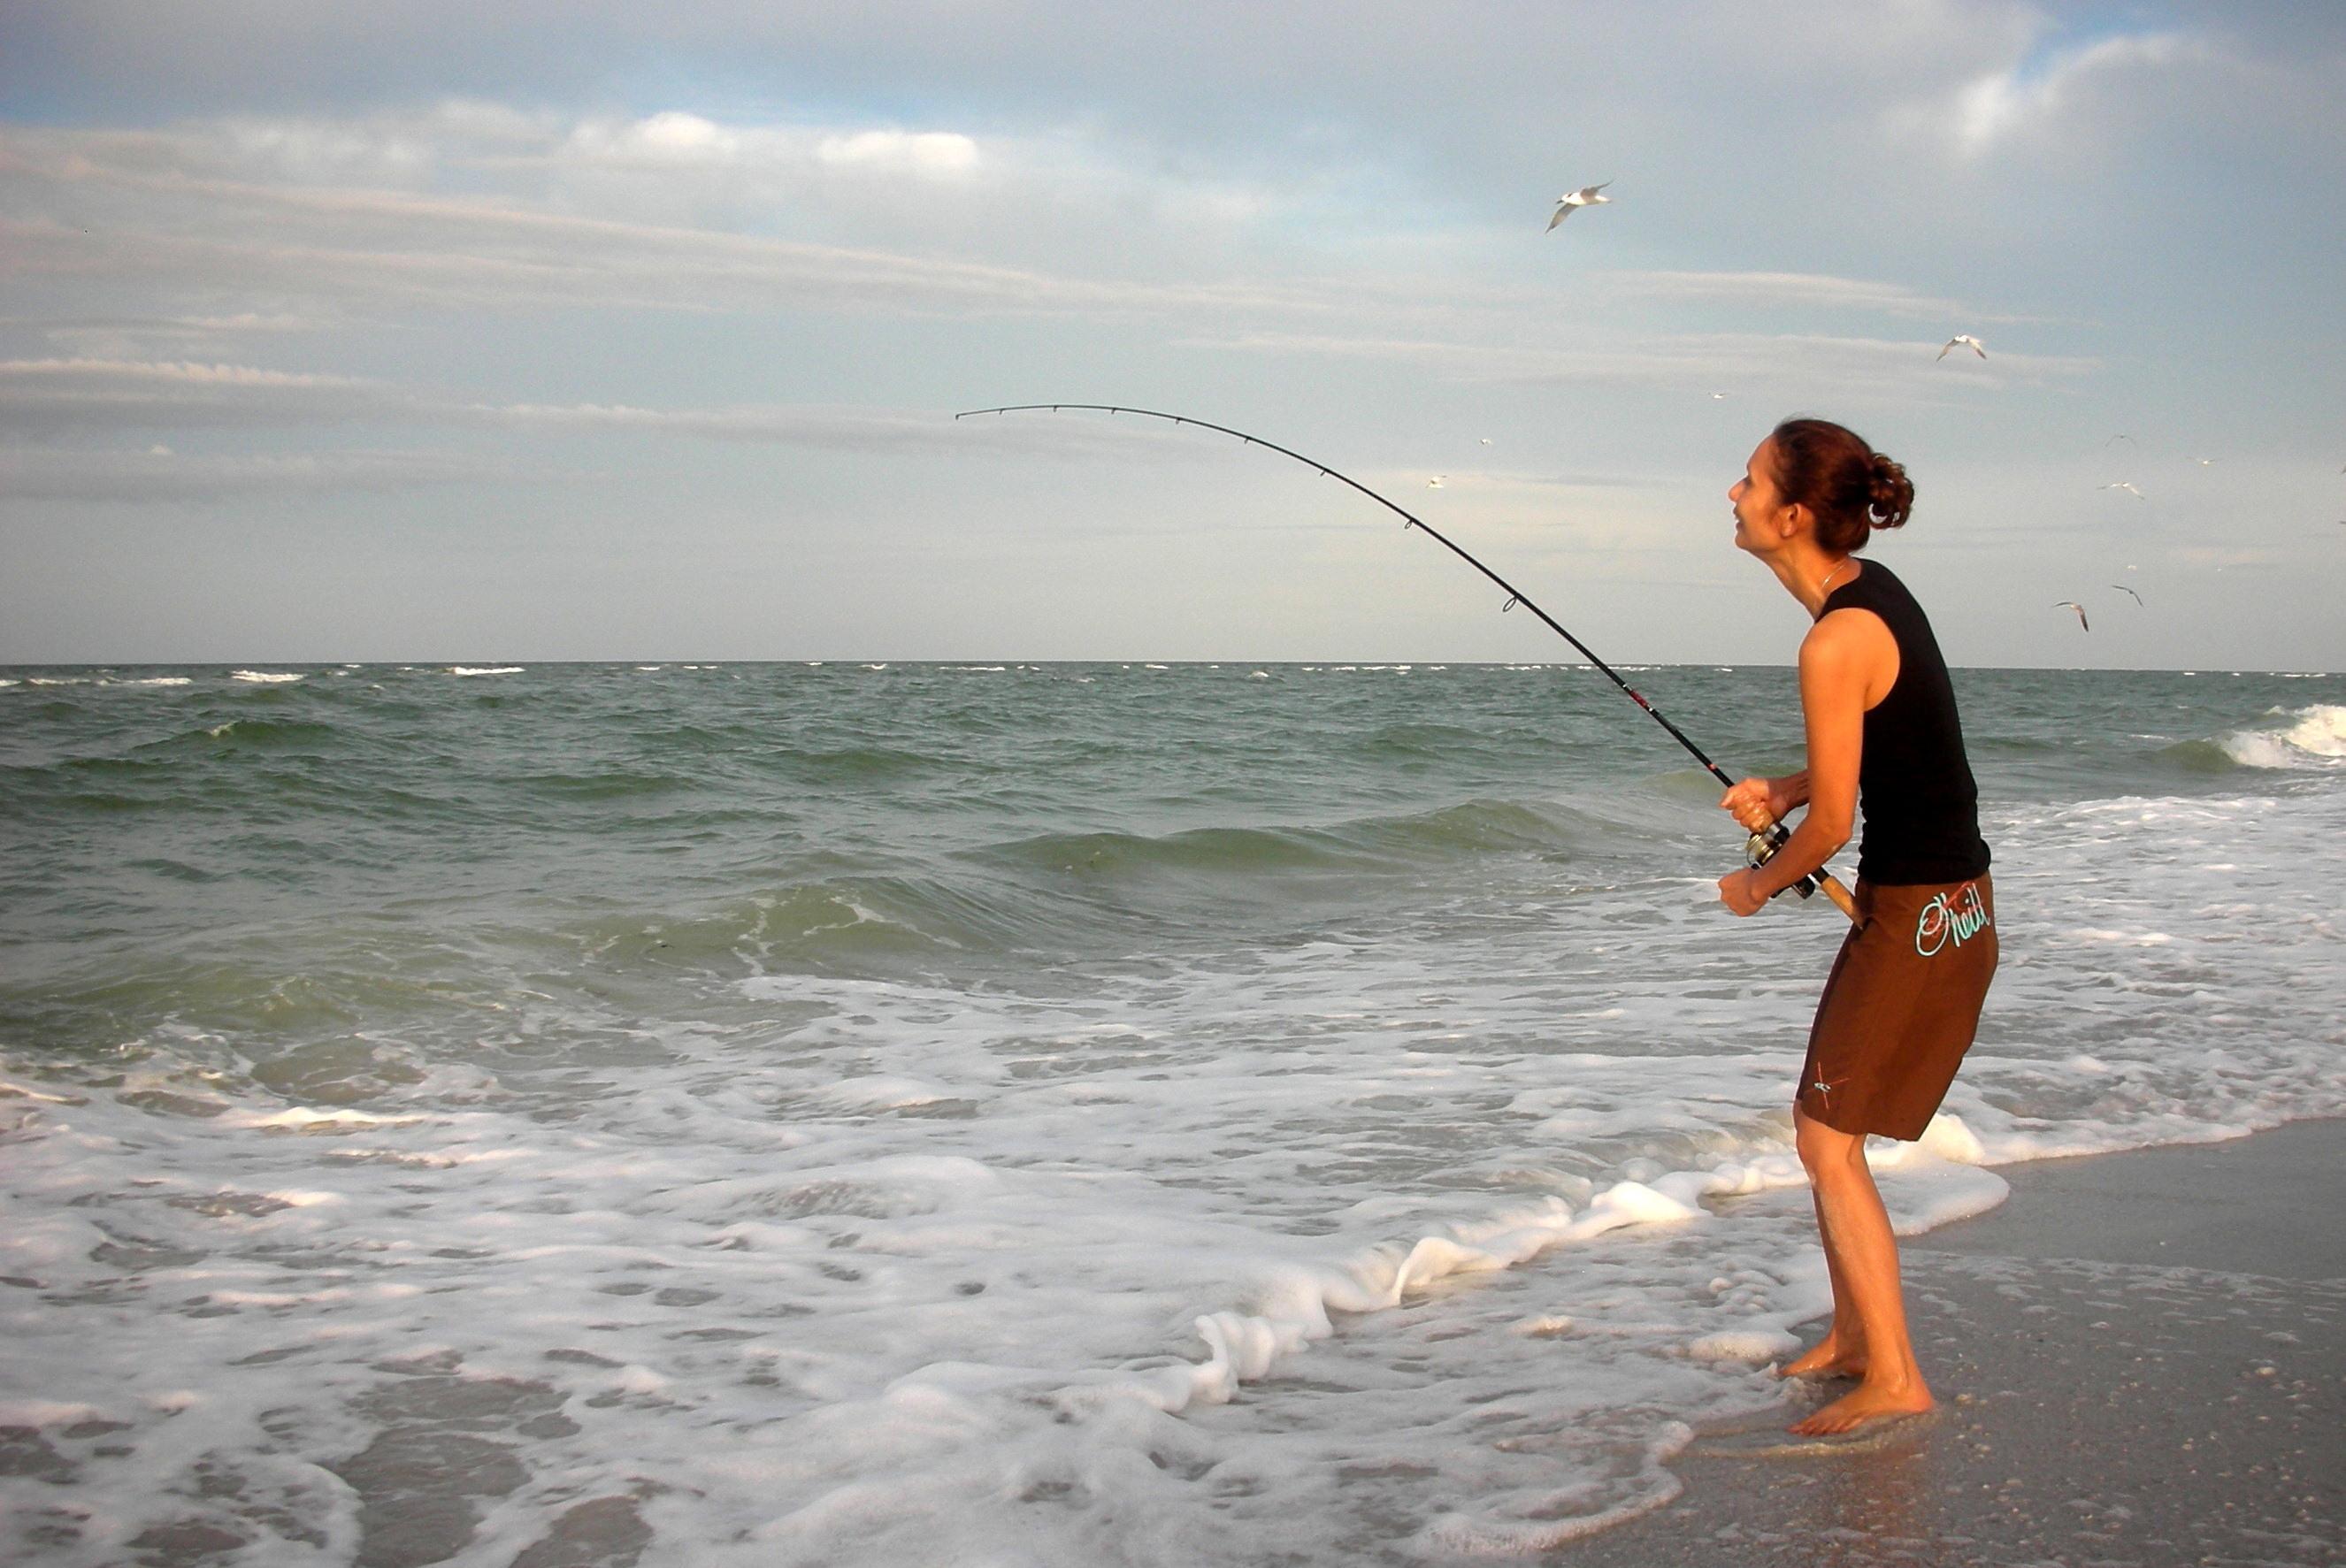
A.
pixel 1850 488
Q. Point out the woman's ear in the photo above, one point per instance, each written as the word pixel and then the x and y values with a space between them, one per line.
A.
pixel 1795 519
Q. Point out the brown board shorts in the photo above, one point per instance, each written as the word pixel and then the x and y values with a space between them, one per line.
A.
pixel 1901 1006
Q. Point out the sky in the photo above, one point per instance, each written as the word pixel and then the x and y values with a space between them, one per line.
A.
pixel 592 331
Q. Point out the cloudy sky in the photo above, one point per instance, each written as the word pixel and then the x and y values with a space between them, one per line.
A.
pixel 541 330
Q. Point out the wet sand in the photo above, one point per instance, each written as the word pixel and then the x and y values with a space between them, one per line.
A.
pixel 2140 1359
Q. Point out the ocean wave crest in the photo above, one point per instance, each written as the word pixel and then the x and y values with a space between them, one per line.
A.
pixel 1471 828
pixel 855 764
pixel 2304 738
pixel 264 732
pixel 609 784
pixel 2200 756
pixel 831 922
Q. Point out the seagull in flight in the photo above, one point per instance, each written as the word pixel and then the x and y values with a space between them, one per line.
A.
pixel 2074 605
pixel 1965 341
pixel 1435 482
pixel 2122 484
pixel 2122 588
pixel 2121 436
pixel 1585 196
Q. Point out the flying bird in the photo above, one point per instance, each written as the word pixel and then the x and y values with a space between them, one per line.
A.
pixel 2122 484
pixel 1486 441
pixel 1585 196
pixel 1435 482
pixel 2122 588
pixel 1717 397
pixel 2207 462
pixel 2074 605
pixel 2128 438
pixel 1965 341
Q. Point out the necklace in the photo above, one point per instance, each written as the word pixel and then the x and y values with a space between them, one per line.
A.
pixel 1824 589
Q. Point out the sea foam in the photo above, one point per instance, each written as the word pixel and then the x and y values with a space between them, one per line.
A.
pixel 2306 738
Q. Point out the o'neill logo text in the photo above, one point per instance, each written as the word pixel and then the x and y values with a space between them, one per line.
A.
pixel 1943 919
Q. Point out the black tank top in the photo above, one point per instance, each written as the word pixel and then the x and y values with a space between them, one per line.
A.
pixel 1913 783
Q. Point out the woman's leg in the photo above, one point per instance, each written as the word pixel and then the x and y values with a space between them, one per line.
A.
pixel 1841 1353
pixel 1862 1253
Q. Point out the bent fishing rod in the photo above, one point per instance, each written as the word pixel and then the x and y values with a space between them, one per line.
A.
pixel 1762 846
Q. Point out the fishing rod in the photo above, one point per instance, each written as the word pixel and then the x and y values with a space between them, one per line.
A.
pixel 1763 844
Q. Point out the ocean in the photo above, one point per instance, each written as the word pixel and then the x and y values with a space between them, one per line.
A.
pixel 1082 1114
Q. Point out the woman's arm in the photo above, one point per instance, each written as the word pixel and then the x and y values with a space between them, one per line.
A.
pixel 1842 659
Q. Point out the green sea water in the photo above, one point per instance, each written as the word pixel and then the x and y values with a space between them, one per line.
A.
pixel 763 1102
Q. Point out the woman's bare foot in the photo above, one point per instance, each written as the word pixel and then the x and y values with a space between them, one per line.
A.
pixel 1827 1359
pixel 1864 1406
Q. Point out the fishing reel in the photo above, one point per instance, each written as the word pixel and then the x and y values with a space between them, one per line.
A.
pixel 1762 848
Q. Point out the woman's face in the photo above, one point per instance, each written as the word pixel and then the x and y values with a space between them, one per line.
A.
pixel 1757 505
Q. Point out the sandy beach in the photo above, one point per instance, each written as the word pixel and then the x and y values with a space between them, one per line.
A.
pixel 2138 1361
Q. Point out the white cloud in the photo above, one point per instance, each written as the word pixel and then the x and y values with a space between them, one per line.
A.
pixel 153 210
pixel 58 394
pixel 2203 557
pixel 146 337
pixel 140 393
pixel 1882 366
pixel 675 132
pixel 158 475
pixel 675 142
pixel 901 431
pixel 83 372
pixel 1804 288
pixel 2029 97
pixel 926 152
pixel 87 399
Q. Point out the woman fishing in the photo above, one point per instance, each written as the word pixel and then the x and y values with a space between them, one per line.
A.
pixel 1904 998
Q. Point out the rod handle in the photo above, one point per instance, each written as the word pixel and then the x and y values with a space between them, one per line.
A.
pixel 1842 898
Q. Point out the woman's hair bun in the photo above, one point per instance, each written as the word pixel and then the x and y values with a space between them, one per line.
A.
pixel 1850 488
pixel 1892 494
